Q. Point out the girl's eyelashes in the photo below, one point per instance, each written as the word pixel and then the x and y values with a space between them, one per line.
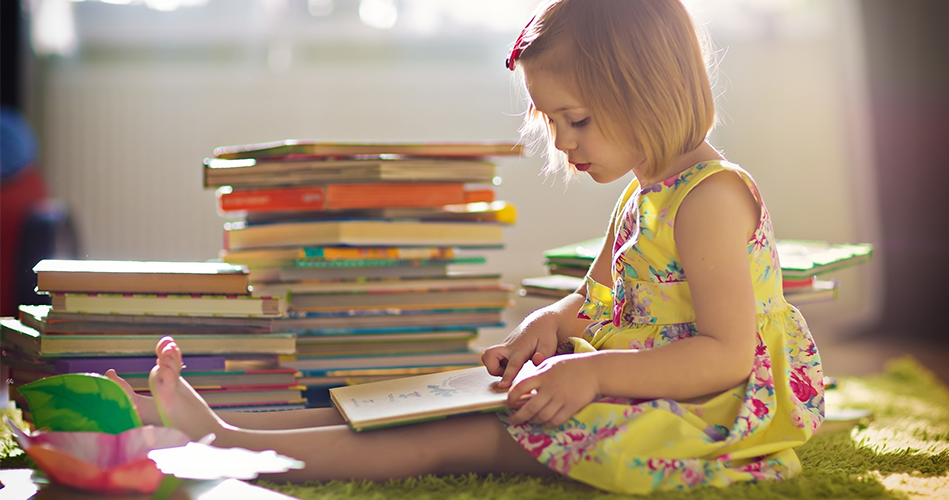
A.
pixel 574 124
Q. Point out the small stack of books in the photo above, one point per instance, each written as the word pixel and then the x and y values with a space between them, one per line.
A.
pixel 360 240
pixel 803 263
pixel 111 314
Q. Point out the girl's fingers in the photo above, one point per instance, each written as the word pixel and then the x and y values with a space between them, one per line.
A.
pixel 545 414
pixel 514 364
pixel 546 347
pixel 492 359
pixel 523 388
pixel 562 416
pixel 529 410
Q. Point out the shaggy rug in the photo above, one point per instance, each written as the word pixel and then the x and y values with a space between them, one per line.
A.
pixel 902 452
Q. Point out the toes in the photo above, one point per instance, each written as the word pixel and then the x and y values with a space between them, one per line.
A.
pixel 169 355
pixel 162 344
pixel 111 375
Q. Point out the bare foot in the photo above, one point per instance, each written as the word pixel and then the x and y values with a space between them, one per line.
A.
pixel 144 405
pixel 178 404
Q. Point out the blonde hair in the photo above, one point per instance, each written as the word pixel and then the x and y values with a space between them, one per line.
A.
pixel 637 65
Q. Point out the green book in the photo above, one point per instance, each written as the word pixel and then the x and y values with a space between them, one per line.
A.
pixel 800 259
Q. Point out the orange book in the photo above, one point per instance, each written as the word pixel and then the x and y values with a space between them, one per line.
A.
pixel 344 196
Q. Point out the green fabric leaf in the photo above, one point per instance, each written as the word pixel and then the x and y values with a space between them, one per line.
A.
pixel 80 402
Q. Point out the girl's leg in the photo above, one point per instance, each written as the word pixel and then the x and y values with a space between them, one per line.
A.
pixel 478 443
pixel 296 419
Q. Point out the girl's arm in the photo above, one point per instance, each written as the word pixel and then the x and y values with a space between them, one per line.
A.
pixel 712 230
pixel 536 338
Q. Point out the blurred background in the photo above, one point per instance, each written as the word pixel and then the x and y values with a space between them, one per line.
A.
pixel 838 108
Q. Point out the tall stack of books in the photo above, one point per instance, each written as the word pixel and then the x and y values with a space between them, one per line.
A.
pixel 361 241
pixel 111 314
pixel 804 264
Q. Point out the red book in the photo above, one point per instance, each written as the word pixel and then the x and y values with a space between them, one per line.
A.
pixel 343 196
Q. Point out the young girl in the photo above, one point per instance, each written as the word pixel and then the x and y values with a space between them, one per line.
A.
pixel 677 364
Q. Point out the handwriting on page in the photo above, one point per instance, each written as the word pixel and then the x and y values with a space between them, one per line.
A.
pixel 452 386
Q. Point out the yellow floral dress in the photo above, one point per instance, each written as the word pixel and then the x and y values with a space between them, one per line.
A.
pixel 745 434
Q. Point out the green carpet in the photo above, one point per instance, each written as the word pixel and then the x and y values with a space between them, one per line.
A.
pixel 902 453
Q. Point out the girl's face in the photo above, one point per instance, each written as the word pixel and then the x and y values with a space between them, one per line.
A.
pixel 574 132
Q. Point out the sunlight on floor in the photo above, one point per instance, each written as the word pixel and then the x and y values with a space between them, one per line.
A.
pixel 918 487
pixel 904 423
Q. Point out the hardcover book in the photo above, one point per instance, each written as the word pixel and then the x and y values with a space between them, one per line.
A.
pixel 44 319
pixel 169 305
pixel 321 364
pixel 419 398
pixel 391 319
pixel 114 276
pixel 486 297
pixel 361 233
pixel 256 174
pixel 502 212
pixel 341 197
pixel 16 335
pixel 307 148
pixel 801 259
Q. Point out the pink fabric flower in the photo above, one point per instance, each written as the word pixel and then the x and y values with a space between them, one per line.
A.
pixel 801 384
pixel 535 444
pixel 760 408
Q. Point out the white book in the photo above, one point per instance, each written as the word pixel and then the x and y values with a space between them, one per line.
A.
pixel 420 398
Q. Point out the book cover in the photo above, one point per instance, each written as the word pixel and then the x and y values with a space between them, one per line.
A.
pixel 173 305
pixel 44 319
pixel 380 347
pixel 419 398
pixel 819 291
pixel 391 319
pixel 115 276
pixel 556 286
pixel 502 212
pixel 16 335
pixel 804 258
pixel 298 147
pixel 308 263
pixel 799 259
pixel 410 269
pixel 583 251
pixel 205 380
pixel 341 196
pixel 380 285
pixel 130 364
pixel 239 236
pixel 289 172
pixel 486 297
pixel 321 364
pixel 288 257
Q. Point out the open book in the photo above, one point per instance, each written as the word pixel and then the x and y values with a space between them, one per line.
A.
pixel 423 397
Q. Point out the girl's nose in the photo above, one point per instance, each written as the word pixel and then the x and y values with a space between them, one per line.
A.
pixel 565 141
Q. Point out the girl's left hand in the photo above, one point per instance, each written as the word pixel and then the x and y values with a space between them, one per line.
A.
pixel 561 387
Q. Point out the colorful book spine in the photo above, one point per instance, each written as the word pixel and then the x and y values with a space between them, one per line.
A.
pixel 357 253
pixel 342 197
pixel 133 364
pixel 321 264
pixel 171 305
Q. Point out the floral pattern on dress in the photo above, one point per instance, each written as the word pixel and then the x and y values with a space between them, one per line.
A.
pixel 745 434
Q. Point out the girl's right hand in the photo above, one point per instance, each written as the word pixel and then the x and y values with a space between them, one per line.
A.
pixel 534 339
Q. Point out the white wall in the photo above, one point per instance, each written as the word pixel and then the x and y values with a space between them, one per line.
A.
pixel 123 143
